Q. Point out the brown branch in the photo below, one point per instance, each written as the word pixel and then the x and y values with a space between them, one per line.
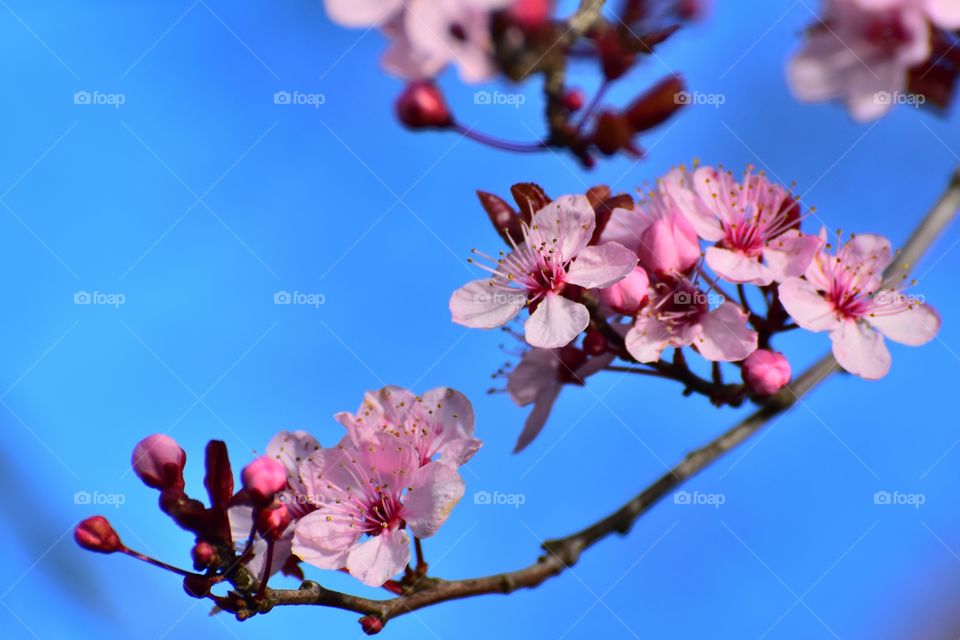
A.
pixel 561 553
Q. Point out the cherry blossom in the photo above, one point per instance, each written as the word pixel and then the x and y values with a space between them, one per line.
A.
pixel 540 376
pixel 679 314
pixel 845 294
pixel 753 223
pixel 427 35
pixel 367 498
pixel 862 51
pixel 438 423
pixel 545 271
pixel 765 372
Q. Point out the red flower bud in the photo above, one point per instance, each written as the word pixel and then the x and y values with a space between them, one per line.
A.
pixel 96 534
pixel 422 106
pixel 573 100
pixel 204 555
pixel 158 460
pixel 372 625
pixel 656 104
pixel 264 478
pixel 613 133
pixel 594 343
pixel 615 58
pixel 272 521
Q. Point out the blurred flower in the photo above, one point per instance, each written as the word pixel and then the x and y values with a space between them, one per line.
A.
pixel 367 498
pixel 845 294
pixel 553 256
pixel 539 378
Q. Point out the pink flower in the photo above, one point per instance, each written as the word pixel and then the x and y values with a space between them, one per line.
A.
pixel 158 461
pixel 263 478
pixel 765 372
pixel 427 35
pixel 863 54
pixel 367 498
pixel 656 230
pixel 845 294
pixel 438 423
pixel 628 295
pixel 753 223
pixel 553 257
pixel 679 315
pixel 943 13
pixel 539 378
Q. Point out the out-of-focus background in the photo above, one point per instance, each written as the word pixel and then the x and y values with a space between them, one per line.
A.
pixel 182 212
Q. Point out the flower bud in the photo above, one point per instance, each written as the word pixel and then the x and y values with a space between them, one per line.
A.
pixel 669 245
pixel 421 106
pixel 613 133
pixel 96 534
pixel 158 460
pixel 766 372
pixel 204 555
pixel 263 478
pixel 273 521
pixel 530 14
pixel 657 104
pixel 629 295
pixel 371 625
pixel 573 100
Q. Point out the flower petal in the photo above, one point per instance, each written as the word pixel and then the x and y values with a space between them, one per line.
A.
pixel 912 325
pixel 433 494
pixel 725 336
pixel 736 266
pixel 565 224
pixel 323 543
pixel 806 306
pixel 538 417
pixel 601 266
pixel 380 557
pixel 556 322
pixel 647 339
pixel 860 350
pixel 789 254
pixel 361 13
pixel 537 369
pixel 485 304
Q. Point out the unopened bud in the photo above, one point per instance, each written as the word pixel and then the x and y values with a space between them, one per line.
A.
pixel 573 100
pixel 613 133
pixel 657 104
pixel 371 625
pixel 629 295
pixel 264 478
pixel 765 372
pixel 204 555
pixel 594 343
pixel 273 521
pixel 669 245
pixel 422 106
pixel 96 534
pixel 158 460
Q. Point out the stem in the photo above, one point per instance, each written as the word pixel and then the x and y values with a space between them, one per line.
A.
pixel 421 565
pixel 594 103
pixel 157 563
pixel 496 143
pixel 267 563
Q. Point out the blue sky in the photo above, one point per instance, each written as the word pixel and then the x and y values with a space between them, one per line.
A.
pixel 198 198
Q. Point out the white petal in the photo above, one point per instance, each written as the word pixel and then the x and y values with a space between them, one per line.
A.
pixel 602 265
pixel 479 305
pixel 556 322
pixel 806 306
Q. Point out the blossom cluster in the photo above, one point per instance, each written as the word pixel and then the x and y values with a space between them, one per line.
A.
pixel 636 277
pixel 352 506
pixel 513 40
pixel 875 54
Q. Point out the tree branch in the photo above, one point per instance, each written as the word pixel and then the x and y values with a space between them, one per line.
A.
pixel 561 553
